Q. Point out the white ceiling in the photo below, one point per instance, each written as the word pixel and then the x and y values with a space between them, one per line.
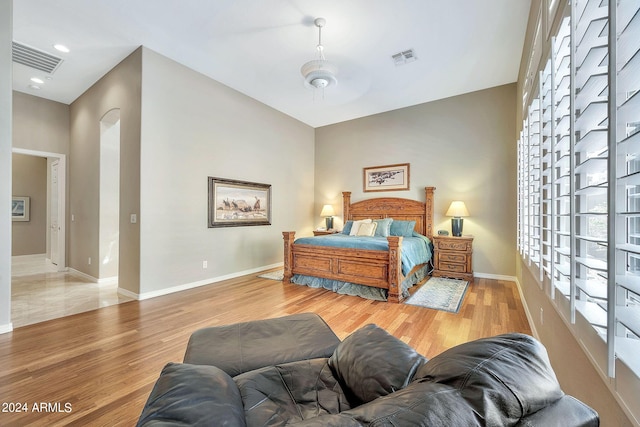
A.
pixel 258 46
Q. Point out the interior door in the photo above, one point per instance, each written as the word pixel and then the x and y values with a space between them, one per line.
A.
pixel 54 235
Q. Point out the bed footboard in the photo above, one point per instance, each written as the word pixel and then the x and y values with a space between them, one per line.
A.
pixel 380 269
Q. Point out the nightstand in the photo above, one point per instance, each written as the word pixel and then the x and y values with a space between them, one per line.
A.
pixel 453 257
pixel 324 232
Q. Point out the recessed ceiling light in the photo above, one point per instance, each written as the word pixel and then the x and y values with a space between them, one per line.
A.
pixel 61 48
pixel 37 80
pixel 34 87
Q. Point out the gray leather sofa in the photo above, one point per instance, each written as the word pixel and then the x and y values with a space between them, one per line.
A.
pixel 295 371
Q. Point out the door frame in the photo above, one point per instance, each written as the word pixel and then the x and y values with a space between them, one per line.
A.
pixel 62 199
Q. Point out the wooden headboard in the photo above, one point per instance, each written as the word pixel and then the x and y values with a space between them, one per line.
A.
pixel 393 207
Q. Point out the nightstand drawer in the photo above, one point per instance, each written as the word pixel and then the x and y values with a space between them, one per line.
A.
pixel 453 245
pixel 451 266
pixel 453 257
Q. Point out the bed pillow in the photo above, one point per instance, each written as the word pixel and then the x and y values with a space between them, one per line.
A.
pixel 402 228
pixel 367 229
pixel 356 225
pixel 384 227
pixel 347 227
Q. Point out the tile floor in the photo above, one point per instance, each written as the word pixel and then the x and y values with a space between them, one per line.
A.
pixel 39 292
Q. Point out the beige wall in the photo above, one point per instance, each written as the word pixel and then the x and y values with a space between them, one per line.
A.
pixel 464 146
pixel 40 124
pixel 192 128
pixel 29 179
pixel 120 88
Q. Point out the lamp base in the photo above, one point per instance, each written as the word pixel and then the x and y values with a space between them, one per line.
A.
pixel 456 226
pixel 329 222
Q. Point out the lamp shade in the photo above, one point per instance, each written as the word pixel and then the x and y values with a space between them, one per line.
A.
pixel 457 209
pixel 327 210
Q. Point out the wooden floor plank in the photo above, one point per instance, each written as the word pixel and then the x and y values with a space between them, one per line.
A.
pixel 105 362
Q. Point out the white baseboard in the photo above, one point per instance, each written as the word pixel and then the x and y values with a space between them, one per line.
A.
pixel 494 276
pixel 82 275
pixel 184 287
pixel 4 329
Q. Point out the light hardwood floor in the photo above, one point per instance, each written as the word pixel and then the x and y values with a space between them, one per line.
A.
pixel 97 368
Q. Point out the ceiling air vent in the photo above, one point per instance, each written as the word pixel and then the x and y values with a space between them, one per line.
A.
pixel 34 58
pixel 404 57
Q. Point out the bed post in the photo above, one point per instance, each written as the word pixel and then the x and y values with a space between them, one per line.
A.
pixel 429 210
pixel 395 269
pixel 289 237
pixel 346 203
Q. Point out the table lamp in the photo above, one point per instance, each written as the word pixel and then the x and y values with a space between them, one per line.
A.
pixel 328 212
pixel 457 210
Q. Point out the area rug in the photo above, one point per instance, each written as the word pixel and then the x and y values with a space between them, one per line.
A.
pixel 273 275
pixel 440 293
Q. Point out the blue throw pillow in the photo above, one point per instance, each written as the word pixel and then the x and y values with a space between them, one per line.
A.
pixel 402 228
pixel 384 227
pixel 347 227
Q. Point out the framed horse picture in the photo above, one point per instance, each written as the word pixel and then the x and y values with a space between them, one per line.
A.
pixel 238 203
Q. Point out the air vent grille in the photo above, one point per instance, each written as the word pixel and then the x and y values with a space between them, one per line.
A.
pixel 34 58
pixel 404 57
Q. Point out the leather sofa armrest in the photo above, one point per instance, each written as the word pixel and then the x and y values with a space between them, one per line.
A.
pixel 193 395
pixel 564 412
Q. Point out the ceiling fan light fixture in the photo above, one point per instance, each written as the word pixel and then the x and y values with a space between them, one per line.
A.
pixel 319 73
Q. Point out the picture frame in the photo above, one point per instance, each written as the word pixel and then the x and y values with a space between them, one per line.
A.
pixel 235 203
pixel 386 178
pixel 20 208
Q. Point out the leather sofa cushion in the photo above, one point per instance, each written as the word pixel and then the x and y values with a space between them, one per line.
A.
pixel 419 404
pixel 504 378
pixel 243 347
pixel 371 363
pixel 193 395
pixel 283 394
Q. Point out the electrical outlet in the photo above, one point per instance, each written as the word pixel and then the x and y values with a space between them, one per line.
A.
pixel 541 316
pixel 204 264
pixel 134 218
pixel 89 261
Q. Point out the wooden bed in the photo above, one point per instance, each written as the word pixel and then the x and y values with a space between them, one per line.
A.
pixel 380 269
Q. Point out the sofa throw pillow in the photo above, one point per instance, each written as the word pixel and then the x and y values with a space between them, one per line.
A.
pixel 367 229
pixel 355 226
pixel 384 227
pixel 504 378
pixel 402 228
pixel 371 363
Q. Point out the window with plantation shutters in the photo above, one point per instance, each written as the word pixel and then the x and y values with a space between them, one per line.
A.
pixel 579 177
pixel 626 178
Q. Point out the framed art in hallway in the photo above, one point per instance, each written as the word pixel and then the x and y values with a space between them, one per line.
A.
pixel 238 203
pixel 386 178
pixel 20 208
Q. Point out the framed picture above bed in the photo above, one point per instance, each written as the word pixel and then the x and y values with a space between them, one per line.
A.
pixel 386 178
pixel 238 203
